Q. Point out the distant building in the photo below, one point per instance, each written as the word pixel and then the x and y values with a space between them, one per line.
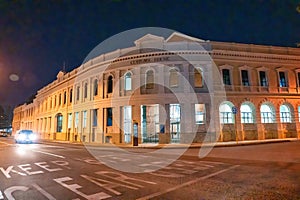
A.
pixel 90 104
pixel 5 118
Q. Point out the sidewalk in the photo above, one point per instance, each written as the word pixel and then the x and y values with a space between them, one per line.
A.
pixel 173 145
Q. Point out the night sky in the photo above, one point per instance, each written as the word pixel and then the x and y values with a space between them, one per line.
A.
pixel 37 38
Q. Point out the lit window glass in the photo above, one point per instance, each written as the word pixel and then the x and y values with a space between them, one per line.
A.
pixel 127 124
pixel 226 116
pixel 127 83
pixel 76 119
pixel 282 79
pixel 263 79
pixel 59 123
pixel 70 120
pixel 84 120
pixel 267 114
pixel 200 113
pixel 285 114
pixel 246 114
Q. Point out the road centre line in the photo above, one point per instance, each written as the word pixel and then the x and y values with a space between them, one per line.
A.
pixel 50 154
pixel 187 183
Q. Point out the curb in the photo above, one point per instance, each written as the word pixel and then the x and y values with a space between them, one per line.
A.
pixel 176 146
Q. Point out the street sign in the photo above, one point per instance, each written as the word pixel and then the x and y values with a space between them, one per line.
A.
pixel 234 110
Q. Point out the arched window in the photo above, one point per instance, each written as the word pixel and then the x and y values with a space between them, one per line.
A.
pixel 85 90
pixel 173 81
pixel 110 84
pixel 65 97
pixel 150 79
pixel 59 100
pixel 59 122
pixel 246 114
pixel 78 93
pixel 71 95
pixel 127 81
pixel 267 114
pixel 95 87
pixel 226 115
pixel 198 79
pixel 285 114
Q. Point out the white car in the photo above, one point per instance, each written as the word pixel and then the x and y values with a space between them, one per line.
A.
pixel 25 136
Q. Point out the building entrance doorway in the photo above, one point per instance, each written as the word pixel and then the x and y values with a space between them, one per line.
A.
pixel 150 123
pixel 175 123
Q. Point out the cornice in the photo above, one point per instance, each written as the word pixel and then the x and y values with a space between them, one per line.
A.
pixel 255 56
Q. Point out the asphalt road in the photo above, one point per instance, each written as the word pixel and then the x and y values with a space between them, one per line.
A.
pixel 72 171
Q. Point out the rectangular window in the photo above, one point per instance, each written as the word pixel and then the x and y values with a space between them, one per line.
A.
pixel 95 117
pixel 127 123
pixel 282 80
pixel 59 123
pixel 109 117
pixel 298 76
pixel 245 78
pixel 226 76
pixel 175 116
pixel 263 79
pixel 70 120
pixel 299 113
pixel 150 79
pixel 200 113
pixel 76 119
pixel 84 120
pixel 173 82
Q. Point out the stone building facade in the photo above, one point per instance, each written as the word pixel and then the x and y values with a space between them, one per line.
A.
pixel 164 90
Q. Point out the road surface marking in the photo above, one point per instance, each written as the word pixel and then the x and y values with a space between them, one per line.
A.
pixel 50 154
pixel 186 184
pixel 6 143
pixel 8 192
pixel 46 194
pixel 74 188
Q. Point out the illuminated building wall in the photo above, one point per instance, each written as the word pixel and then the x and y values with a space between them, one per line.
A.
pixel 261 82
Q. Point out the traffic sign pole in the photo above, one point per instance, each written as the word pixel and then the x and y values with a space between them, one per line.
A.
pixel 234 111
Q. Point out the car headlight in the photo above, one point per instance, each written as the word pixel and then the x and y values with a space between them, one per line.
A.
pixel 32 137
pixel 22 137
